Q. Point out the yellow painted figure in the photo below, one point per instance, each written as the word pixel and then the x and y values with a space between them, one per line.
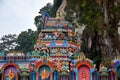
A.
pixel 10 75
pixel 83 75
pixel 44 74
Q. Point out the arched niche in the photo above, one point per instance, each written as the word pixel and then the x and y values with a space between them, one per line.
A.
pixel 10 72
pixel 44 72
pixel 83 73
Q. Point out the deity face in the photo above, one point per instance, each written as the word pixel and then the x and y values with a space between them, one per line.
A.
pixel 44 50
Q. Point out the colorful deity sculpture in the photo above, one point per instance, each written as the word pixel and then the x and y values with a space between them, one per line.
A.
pixel 44 74
pixel 10 75
pixel 83 75
pixel 58 65
pixel 44 51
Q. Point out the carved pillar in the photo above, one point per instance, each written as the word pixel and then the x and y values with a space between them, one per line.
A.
pixel 55 75
pixel 24 78
pixel 60 77
pixel 37 75
pixel 76 74
pixel 51 76
pixel 73 77
pixel 91 76
pixel 67 78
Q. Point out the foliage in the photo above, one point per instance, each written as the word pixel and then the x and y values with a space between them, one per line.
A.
pixel 8 42
pixel 101 17
pixel 55 7
pixel 26 40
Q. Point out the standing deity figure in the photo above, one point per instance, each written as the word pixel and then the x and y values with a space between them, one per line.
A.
pixel 44 74
pixel 55 34
pixel 83 75
pixel 58 65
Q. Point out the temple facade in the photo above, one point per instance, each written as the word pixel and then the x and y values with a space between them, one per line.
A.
pixel 56 56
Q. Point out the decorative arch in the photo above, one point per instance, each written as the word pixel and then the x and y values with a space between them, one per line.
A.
pixel 83 72
pixel 48 63
pixel 10 64
pixel 81 63
pixel 12 68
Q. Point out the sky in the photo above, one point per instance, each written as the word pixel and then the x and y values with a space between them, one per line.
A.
pixel 18 15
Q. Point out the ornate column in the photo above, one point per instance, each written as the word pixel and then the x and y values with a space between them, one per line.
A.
pixel 91 76
pixel 51 76
pixel 76 74
pixel 37 75
pixel 60 77
pixel 67 78
pixel 24 78
pixel 73 78
pixel 55 77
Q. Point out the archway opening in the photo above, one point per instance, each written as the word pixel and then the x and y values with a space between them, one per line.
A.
pixel 83 73
pixel 10 73
pixel 44 72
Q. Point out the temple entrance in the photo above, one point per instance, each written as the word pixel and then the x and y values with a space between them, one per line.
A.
pixel 83 73
pixel 44 73
pixel 10 73
pixel 118 72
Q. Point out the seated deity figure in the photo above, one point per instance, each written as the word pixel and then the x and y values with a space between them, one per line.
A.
pixel 41 35
pixel 70 51
pixel 55 34
pixel 44 51
pixel 10 75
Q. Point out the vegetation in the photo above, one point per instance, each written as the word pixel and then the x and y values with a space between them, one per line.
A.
pixel 101 17
pixel 26 40
pixel 8 42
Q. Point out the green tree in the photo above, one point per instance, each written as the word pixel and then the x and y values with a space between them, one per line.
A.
pixel 26 40
pixel 8 42
pixel 56 5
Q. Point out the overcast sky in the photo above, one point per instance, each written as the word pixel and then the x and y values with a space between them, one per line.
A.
pixel 18 15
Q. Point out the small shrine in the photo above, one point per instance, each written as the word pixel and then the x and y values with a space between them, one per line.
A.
pixel 104 75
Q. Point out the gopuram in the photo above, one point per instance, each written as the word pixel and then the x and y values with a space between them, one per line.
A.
pixel 56 56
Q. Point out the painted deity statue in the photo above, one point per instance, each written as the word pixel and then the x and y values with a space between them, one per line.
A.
pixel 71 35
pixel 70 52
pixel 10 75
pixel 83 75
pixel 44 51
pixel 44 74
pixel 58 65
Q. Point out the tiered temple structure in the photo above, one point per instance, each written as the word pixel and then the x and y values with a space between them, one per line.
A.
pixel 57 56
